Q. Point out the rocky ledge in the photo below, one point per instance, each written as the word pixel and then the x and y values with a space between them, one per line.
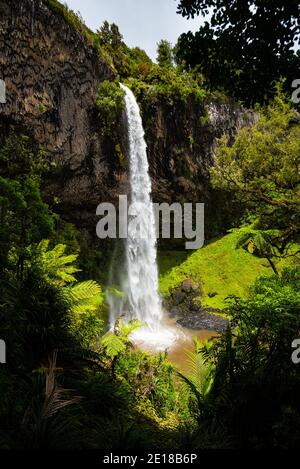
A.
pixel 185 306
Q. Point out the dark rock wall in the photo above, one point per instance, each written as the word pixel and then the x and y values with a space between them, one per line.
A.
pixel 52 76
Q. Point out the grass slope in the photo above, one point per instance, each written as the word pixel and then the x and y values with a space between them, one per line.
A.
pixel 219 267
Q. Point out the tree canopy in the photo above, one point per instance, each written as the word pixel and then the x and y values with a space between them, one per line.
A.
pixel 262 168
pixel 164 53
pixel 243 46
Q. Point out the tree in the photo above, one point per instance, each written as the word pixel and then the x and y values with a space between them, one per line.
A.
pixel 262 169
pixel 260 242
pixel 111 45
pixel 25 218
pixel 243 47
pixel 109 35
pixel 165 54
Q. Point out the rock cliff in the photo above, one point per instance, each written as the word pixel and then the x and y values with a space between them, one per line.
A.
pixel 52 75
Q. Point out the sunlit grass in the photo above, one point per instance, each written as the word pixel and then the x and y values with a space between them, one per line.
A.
pixel 218 267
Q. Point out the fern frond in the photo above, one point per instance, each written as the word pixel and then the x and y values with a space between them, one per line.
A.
pixel 83 296
pixel 113 345
pixel 125 329
pixel 56 265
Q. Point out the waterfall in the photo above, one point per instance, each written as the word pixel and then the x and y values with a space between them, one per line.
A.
pixel 141 284
pixel 139 274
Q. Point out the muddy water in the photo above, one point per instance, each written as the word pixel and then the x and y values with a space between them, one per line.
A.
pixel 183 342
pixel 177 355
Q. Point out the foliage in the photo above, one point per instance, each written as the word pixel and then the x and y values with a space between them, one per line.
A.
pixel 151 378
pixel 199 380
pixel 242 47
pixel 118 342
pixel 255 379
pixel 263 162
pixel 218 267
pixel 166 85
pixel 109 39
pixel 110 103
pixel 107 42
pixel 57 267
pixel 265 243
pixel 164 54
pixel 262 168
pixel 124 61
pixel 21 167
pixel 84 299
pixel 34 320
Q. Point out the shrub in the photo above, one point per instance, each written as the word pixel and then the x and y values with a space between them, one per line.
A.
pixel 110 103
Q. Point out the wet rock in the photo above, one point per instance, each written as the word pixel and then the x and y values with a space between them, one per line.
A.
pixel 187 285
pixel 174 312
pixel 195 306
pixel 204 320
pixel 185 304
pixel 178 298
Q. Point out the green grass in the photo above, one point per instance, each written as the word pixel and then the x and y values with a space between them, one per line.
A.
pixel 219 267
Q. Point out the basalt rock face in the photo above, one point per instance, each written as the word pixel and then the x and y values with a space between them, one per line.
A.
pixel 52 76
pixel 181 142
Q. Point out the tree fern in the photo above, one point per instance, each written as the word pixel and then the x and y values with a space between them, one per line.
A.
pixel 113 345
pixel 261 242
pixel 57 266
pixel 117 342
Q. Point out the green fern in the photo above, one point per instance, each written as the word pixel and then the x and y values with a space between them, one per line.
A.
pixel 83 296
pixel 200 373
pixel 56 265
pixel 200 379
pixel 125 329
pixel 117 342
pixel 113 345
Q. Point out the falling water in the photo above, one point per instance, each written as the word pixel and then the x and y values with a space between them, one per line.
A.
pixel 140 283
pixel 142 274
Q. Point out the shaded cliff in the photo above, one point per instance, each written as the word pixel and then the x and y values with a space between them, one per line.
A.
pixel 52 75
pixel 181 141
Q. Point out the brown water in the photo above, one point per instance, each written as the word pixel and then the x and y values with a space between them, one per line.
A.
pixel 178 356
pixel 184 342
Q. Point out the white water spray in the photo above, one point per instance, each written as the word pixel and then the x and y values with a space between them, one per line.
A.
pixel 140 284
pixel 142 274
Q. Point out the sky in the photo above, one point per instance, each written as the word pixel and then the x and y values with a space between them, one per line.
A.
pixel 143 23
